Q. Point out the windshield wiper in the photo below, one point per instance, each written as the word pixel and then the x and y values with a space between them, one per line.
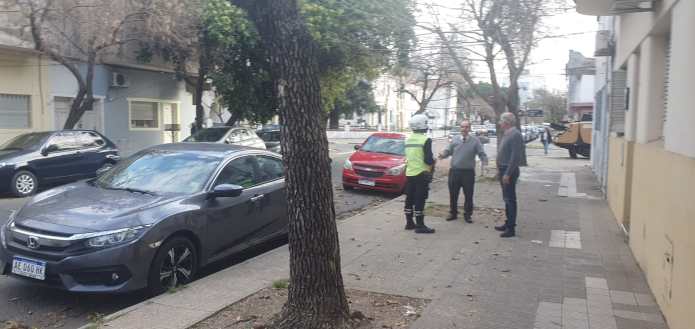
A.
pixel 129 189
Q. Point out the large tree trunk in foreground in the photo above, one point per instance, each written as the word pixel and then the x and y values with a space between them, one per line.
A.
pixel 316 297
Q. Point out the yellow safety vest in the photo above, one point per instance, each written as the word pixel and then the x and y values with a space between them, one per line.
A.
pixel 415 155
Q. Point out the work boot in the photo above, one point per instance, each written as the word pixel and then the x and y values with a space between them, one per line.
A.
pixel 409 224
pixel 508 233
pixel 451 217
pixel 420 226
pixel 501 228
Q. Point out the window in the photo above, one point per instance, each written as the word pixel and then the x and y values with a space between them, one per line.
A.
pixel 241 171
pixel 144 115
pixel 270 168
pixel 66 141
pixel 15 111
pixel 88 139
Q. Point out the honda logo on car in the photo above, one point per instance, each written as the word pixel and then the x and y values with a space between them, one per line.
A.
pixel 33 242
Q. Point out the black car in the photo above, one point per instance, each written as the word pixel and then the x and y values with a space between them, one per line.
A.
pixel 271 137
pixel 46 158
pixel 150 221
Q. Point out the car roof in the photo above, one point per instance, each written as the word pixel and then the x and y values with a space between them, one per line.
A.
pixel 214 148
pixel 388 135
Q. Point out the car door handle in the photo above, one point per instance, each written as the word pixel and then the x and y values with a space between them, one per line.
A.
pixel 257 197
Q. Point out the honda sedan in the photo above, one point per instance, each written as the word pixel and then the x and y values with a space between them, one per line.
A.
pixel 149 222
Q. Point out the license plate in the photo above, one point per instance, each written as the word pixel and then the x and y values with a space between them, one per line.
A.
pixel 366 182
pixel 28 267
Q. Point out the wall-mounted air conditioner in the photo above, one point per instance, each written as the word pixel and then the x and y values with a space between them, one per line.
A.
pixel 119 80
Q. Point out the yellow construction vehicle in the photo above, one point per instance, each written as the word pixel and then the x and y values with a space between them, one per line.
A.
pixel 576 138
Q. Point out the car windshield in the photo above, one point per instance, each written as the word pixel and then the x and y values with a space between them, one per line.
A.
pixel 270 136
pixel 208 135
pixel 379 144
pixel 157 171
pixel 25 142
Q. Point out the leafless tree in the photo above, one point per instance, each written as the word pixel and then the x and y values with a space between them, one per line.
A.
pixel 499 35
pixel 79 34
pixel 427 73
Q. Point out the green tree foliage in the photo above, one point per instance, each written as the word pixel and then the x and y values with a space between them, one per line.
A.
pixel 554 105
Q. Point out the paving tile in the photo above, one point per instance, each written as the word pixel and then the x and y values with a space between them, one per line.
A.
pixel 623 297
pixel 596 283
pixel 645 300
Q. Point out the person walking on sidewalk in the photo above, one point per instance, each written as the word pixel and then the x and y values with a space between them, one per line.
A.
pixel 418 172
pixel 546 138
pixel 508 160
pixel 463 150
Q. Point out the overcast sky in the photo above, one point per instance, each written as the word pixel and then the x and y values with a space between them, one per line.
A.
pixel 573 31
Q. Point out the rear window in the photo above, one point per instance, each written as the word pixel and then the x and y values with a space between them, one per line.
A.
pixel 270 136
pixel 208 135
pixel 378 144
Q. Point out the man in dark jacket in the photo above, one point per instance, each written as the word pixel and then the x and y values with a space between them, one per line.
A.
pixel 508 160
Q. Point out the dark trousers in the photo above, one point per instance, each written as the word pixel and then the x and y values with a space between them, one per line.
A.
pixel 416 191
pixel 509 196
pixel 461 179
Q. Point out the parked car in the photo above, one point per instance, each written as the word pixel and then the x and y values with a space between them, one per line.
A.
pixel 378 164
pixel 38 159
pixel 271 137
pixel 228 135
pixel 149 222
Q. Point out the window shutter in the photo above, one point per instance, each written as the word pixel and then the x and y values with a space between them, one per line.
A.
pixel 618 101
pixel 667 83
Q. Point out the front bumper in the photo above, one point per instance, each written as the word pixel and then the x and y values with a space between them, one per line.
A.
pixel 91 272
pixel 5 178
pixel 388 184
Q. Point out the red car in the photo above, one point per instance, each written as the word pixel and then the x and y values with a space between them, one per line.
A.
pixel 378 164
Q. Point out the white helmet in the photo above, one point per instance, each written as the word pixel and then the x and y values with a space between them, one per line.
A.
pixel 418 122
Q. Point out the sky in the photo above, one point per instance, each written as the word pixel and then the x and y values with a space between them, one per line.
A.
pixel 547 63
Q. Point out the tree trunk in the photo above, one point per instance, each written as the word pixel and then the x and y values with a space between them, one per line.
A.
pixel 334 118
pixel 84 100
pixel 513 105
pixel 233 118
pixel 316 297
pixel 200 83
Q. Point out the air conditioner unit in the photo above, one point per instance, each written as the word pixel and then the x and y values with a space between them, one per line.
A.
pixel 604 44
pixel 119 80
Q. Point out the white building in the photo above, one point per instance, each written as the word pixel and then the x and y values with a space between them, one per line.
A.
pixel 580 90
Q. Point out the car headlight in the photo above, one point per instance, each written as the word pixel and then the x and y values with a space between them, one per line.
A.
pixel 396 171
pixel 348 164
pixel 113 238
pixel 5 227
pixel 2 164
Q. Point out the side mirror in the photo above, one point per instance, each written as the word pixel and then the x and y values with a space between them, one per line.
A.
pixel 357 147
pixel 49 149
pixel 225 191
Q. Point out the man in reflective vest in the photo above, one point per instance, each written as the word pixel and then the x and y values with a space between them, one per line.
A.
pixel 418 172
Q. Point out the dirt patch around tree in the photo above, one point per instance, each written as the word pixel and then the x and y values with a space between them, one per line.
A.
pixel 491 215
pixel 379 311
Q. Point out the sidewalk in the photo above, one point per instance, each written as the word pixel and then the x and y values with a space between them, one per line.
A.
pixel 568 268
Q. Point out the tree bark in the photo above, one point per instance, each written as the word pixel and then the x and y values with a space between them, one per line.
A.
pixel 199 88
pixel 84 100
pixel 316 298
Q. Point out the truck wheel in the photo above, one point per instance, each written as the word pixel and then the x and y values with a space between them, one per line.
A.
pixel 573 152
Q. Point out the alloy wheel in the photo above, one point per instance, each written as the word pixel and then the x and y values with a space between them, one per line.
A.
pixel 177 267
pixel 25 184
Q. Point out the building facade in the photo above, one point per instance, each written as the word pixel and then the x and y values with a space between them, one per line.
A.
pixel 651 142
pixel 580 90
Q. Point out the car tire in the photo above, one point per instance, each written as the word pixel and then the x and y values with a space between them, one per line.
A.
pixel 178 257
pixel 347 187
pixel 24 183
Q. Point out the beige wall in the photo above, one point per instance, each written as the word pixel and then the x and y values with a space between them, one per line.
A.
pixel 20 73
pixel 662 224
pixel 618 154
